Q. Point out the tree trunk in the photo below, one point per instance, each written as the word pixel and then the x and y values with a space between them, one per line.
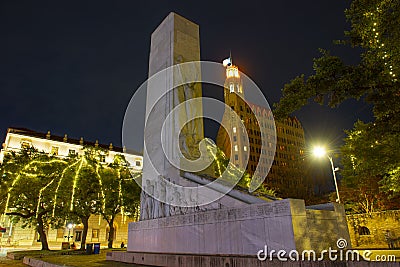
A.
pixel 111 234
pixel 42 233
pixel 85 222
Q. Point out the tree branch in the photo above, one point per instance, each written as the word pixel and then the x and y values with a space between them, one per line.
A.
pixel 26 216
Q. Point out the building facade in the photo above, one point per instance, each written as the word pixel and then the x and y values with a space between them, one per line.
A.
pixel 62 146
pixel 263 148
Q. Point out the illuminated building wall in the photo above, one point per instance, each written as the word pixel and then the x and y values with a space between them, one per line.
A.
pixel 289 153
pixel 289 143
pixel 18 138
pixel 62 146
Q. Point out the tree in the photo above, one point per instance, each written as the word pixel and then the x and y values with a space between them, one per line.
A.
pixel 293 183
pixel 121 193
pixel 367 166
pixel 42 190
pixel 83 182
pixel 221 163
pixel 371 149
pixel 31 180
pixel 12 164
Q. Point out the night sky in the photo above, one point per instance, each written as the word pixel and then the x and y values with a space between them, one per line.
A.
pixel 72 66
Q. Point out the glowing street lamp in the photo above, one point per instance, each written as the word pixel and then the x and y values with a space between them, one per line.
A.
pixel 69 226
pixel 320 152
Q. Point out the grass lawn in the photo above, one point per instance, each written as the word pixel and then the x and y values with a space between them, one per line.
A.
pixel 82 260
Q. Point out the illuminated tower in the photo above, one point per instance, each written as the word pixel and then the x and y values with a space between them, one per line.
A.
pixel 246 150
pixel 289 143
pixel 233 95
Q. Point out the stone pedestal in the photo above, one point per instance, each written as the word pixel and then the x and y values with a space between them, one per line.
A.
pixel 280 225
pixel 234 234
pixel 234 231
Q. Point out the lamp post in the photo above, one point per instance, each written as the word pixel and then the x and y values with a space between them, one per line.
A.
pixel 69 226
pixel 320 152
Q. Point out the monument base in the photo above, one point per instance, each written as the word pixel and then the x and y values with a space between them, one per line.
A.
pixel 187 260
pixel 233 236
pixel 280 225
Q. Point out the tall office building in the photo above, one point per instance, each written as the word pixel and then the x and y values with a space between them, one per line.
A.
pixel 289 142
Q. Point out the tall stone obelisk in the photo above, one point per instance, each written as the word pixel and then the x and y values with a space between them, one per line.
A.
pixel 176 40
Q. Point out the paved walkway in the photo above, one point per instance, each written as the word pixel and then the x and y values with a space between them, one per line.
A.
pixel 4 261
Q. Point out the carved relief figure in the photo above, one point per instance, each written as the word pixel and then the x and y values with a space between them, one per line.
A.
pixel 191 134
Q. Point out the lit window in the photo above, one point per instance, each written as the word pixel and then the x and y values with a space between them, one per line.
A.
pixel 236 148
pixel 60 233
pixel 95 233
pixel 54 150
pixel 6 233
pixel 245 148
pixel 232 72
pixel 234 129
pixel 231 88
pixel 78 236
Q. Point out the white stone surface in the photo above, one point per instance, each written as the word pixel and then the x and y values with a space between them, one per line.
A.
pixel 185 260
pixel 176 40
pixel 239 231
